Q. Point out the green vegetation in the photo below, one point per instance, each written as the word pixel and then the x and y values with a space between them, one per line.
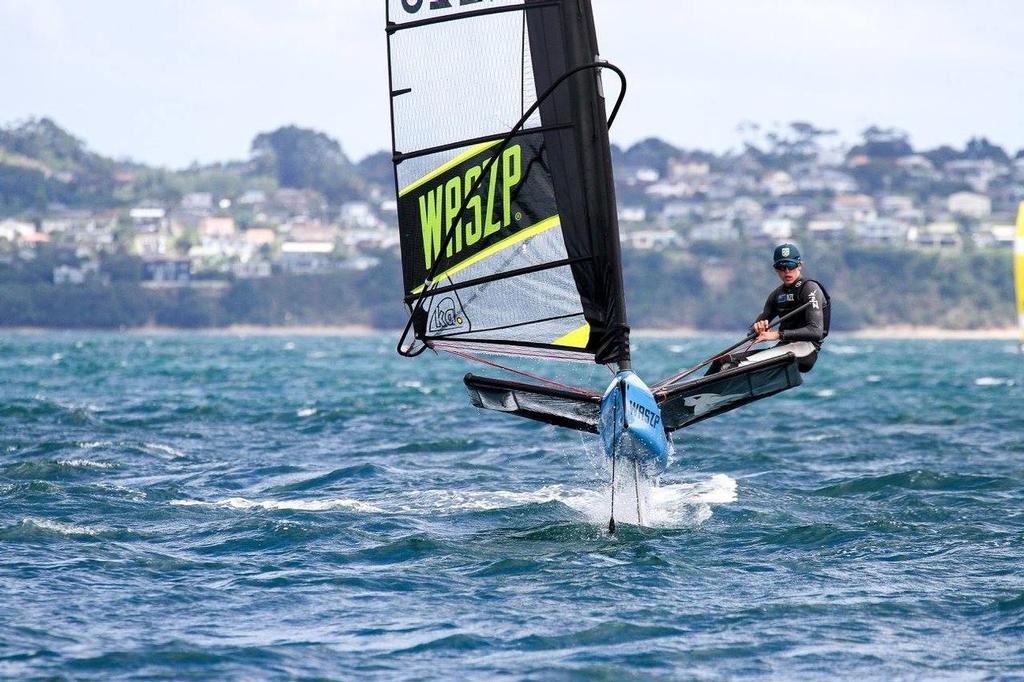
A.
pixel 42 165
pixel 719 286
pixel 713 286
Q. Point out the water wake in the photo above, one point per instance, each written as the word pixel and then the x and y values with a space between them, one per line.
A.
pixel 669 505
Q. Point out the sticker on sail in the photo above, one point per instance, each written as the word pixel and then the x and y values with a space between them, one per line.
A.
pixel 446 316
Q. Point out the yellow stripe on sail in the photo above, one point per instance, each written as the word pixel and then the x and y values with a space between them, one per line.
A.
pixel 471 152
pixel 1018 267
pixel 577 338
pixel 522 235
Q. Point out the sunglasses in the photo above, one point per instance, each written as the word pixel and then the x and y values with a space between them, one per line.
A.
pixel 786 268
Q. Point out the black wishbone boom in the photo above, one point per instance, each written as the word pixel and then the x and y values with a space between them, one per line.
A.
pixel 449 233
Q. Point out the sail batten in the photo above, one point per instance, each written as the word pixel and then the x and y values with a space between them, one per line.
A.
pixel 506 204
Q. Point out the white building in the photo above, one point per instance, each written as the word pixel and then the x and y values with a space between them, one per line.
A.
pixel 854 207
pixel 298 257
pixel 779 183
pixel 16 230
pixel 632 214
pixel 778 229
pixel 893 204
pixel 992 235
pixel 71 274
pixel 197 202
pixel 714 231
pixel 358 214
pixel 969 204
pixel 647 240
pixel 941 234
pixel 827 228
pixel 882 231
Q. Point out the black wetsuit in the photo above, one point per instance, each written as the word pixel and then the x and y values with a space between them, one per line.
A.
pixel 809 325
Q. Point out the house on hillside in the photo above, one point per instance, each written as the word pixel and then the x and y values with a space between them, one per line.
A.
pixel 76 274
pixel 648 240
pixel 306 257
pixel 714 231
pixel 854 208
pixel 778 183
pixel 882 231
pixel 939 234
pixel 994 235
pixel 173 271
pixel 217 228
pixel 777 229
pixel 827 228
pixel 969 204
pixel 632 214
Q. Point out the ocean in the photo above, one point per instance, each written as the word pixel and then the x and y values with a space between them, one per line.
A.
pixel 193 506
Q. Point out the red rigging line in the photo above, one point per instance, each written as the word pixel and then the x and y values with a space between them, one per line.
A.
pixel 498 365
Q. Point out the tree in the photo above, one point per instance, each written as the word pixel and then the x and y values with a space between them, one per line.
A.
pixel 377 168
pixel 306 159
pixel 883 144
pixel 979 148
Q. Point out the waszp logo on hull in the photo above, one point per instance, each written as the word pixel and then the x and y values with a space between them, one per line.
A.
pixel 648 415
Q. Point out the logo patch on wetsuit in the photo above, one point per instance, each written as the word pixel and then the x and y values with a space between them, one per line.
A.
pixel 784 298
pixel 814 300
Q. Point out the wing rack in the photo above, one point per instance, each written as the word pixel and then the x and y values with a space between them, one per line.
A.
pixel 571 409
pixel 708 396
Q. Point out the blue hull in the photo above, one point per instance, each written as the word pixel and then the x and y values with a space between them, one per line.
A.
pixel 631 426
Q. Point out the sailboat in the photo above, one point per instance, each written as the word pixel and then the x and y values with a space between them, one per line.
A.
pixel 1018 268
pixel 508 223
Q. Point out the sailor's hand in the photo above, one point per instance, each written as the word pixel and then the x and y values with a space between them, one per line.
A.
pixel 767 336
pixel 761 326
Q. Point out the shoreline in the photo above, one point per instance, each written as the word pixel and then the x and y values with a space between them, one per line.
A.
pixel 895 332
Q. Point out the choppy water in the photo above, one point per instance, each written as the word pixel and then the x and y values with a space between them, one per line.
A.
pixel 318 507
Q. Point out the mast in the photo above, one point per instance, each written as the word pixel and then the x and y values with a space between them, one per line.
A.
pixel 1018 266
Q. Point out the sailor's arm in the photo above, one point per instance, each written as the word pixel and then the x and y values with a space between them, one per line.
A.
pixel 814 330
pixel 767 315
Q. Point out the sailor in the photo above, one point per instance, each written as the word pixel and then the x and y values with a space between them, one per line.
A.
pixel 802 334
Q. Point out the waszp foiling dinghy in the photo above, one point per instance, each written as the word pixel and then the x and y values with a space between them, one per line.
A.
pixel 508 221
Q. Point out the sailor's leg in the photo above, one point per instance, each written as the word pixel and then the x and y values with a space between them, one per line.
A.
pixel 728 362
pixel 800 349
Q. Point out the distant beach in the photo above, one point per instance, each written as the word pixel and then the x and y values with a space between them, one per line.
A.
pixel 889 332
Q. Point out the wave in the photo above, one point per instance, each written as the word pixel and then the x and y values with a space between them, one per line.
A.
pixel 324 480
pixel 673 505
pixel 34 528
pixel 52 469
pixel 282 505
pixel 917 479
pixel 846 350
pixel 86 464
pixel 993 381
pixel 603 634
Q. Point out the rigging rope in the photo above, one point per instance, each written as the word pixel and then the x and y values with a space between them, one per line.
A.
pixel 498 365
pixel 676 377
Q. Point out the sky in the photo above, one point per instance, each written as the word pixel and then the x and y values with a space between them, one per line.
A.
pixel 171 82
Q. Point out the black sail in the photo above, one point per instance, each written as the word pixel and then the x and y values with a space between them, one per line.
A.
pixel 515 229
